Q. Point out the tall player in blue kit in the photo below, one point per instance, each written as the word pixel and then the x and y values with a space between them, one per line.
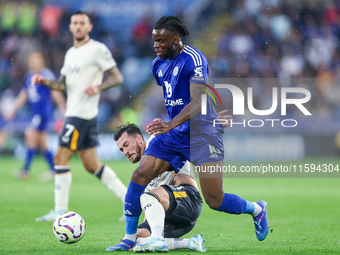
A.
pixel 182 70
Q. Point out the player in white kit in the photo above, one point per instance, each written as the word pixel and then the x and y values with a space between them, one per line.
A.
pixel 81 77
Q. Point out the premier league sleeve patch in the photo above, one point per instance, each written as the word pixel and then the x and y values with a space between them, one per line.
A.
pixel 198 74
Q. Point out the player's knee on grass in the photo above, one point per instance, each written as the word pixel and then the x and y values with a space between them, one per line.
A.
pixel 143 232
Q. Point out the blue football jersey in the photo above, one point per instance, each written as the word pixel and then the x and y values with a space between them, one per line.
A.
pixel 39 96
pixel 175 76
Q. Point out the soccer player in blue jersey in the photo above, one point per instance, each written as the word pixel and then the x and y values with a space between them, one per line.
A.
pixel 41 108
pixel 182 70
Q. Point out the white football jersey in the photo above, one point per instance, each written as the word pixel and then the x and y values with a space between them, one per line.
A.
pixel 85 66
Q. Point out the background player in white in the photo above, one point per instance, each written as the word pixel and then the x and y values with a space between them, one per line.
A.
pixel 81 77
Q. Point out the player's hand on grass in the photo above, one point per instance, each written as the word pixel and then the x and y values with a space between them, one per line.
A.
pixel 158 127
pixel 225 119
pixel 92 90
pixel 38 79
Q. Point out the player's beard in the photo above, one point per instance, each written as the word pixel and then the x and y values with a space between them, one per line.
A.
pixel 79 39
pixel 138 153
pixel 170 54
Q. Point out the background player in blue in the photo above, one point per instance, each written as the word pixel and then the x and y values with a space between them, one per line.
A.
pixel 181 70
pixel 40 102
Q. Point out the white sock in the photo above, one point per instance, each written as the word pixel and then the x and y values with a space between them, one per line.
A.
pixel 257 210
pixel 131 237
pixel 62 185
pixel 154 213
pixel 111 181
pixel 176 243
pixel 141 240
pixel 181 243
pixel 173 243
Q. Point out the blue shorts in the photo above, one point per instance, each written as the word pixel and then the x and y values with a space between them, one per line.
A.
pixel 176 147
pixel 39 122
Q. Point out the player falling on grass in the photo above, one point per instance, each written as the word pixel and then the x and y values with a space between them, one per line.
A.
pixel 182 70
pixel 170 200
pixel 81 78
pixel 40 101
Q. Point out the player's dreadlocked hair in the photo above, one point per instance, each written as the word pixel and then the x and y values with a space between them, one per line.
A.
pixel 173 24
pixel 130 129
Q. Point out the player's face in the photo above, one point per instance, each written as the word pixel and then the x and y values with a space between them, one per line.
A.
pixel 36 62
pixel 130 146
pixel 164 43
pixel 80 26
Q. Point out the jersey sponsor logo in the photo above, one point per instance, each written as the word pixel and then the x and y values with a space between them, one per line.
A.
pixel 175 72
pixel 198 72
pixel 174 102
pixel 73 69
pixel 160 73
pixel 168 89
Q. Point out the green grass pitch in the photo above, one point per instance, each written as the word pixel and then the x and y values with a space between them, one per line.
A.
pixel 304 214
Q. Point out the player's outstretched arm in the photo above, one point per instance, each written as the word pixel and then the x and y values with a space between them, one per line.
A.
pixel 115 78
pixel 19 101
pixel 189 111
pixel 55 84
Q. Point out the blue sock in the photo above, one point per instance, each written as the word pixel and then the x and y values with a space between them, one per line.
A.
pixel 250 207
pixel 235 205
pixel 132 208
pixel 28 160
pixel 49 158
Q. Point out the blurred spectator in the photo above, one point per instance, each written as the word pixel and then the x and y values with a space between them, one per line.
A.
pixel 243 38
pixel 141 34
pixel 8 15
pixel 50 19
pixel 27 17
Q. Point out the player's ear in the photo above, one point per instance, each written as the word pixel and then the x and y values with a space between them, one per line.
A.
pixel 139 139
pixel 177 39
pixel 91 26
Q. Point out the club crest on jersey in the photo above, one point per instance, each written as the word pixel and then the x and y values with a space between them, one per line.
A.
pixel 199 72
pixel 175 72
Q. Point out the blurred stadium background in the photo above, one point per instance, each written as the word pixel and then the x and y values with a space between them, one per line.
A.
pixel 296 43
pixel 283 39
